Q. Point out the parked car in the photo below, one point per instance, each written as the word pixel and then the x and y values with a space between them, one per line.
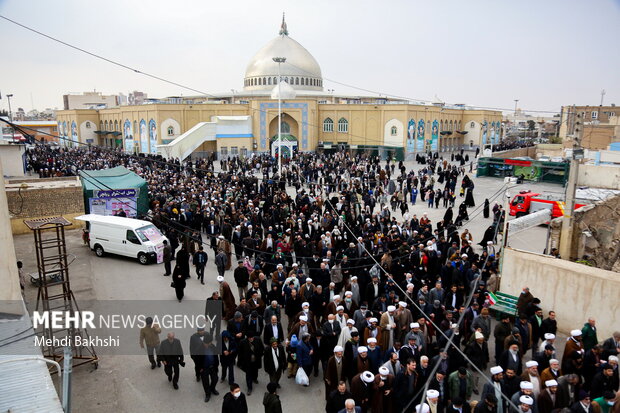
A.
pixel 124 236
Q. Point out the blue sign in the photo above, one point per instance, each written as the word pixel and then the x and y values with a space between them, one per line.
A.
pixel 128 135
pixel 485 127
pixel 411 136
pixel 144 140
pixel 420 141
pixel 153 136
pixel 435 136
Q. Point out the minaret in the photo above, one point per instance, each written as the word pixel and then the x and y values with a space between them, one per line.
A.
pixel 283 29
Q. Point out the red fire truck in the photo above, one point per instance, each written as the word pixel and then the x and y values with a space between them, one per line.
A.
pixel 526 202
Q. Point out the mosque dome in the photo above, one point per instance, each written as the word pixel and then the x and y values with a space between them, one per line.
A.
pixel 300 70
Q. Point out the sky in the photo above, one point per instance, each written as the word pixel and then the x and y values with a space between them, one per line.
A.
pixel 478 52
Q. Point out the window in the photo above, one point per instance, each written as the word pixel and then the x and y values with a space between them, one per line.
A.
pixel 244 152
pixel 296 80
pixel 612 114
pixel 224 151
pixel 343 125
pixel 234 151
pixel 87 125
pixel 441 126
pixel 133 238
pixel 170 131
pixel 594 114
pixel 459 124
pixel 303 81
pixel 101 125
pixel 285 127
pixel 394 131
pixel 472 125
pixel 268 80
pixel 328 125
pixel 275 81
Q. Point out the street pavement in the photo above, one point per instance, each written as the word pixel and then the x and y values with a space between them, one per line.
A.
pixel 127 383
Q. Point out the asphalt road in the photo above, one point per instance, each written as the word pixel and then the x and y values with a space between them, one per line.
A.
pixel 127 384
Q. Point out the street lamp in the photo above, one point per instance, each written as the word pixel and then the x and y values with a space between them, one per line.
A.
pixel 279 61
pixel 10 113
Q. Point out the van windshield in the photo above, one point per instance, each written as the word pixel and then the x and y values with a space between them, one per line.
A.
pixel 148 233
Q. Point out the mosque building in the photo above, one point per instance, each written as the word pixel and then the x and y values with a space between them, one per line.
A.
pixel 244 122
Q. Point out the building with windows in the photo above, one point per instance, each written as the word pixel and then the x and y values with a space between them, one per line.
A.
pixel 246 121
pixel 596 126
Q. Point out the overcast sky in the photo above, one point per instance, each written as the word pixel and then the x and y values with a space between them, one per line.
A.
pixel 487 53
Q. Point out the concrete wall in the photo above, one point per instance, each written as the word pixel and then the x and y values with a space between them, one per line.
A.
pixel 513 153
pixel 44 199
pixel 12 162
pixel 574 291
pixel 599 176
pixel 549 149
pixel 10 293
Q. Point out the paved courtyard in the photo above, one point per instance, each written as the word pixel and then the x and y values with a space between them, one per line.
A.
pixel 127 384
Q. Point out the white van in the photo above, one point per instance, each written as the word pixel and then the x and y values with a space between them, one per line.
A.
pixel 124 236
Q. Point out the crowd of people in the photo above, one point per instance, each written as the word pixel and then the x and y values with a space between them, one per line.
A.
pixel 391 310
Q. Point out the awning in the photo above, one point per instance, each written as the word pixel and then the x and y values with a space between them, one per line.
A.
pixel 446 132
pixel 462 132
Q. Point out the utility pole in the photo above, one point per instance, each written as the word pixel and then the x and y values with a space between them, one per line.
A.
pixel 279 61
pixel 566 236
pixel 504 233
pixel 602 96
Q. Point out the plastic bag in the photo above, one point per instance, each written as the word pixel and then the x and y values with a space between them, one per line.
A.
pixel 302 378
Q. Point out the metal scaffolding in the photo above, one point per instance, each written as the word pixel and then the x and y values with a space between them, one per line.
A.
pixel 55 290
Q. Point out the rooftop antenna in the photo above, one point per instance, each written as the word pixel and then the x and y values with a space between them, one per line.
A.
pixel 602 96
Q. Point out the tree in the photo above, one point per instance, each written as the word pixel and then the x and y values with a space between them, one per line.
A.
pixel 4 112
pixel 531 125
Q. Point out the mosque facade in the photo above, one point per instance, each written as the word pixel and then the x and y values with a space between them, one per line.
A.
pixel 244 122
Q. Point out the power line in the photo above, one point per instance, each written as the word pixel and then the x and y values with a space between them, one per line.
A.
pixel 366 139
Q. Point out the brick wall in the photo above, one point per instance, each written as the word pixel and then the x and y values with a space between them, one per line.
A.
pixel 32 203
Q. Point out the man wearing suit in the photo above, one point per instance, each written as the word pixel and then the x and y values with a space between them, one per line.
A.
pixel 172 356
pixel 213 231
pixel 273 330
pixel 331 331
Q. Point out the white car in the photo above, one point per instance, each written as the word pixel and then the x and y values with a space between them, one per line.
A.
pixel 124 236
pixel 544 158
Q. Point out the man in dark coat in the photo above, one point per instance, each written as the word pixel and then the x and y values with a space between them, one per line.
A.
pixel 250 357
pixel 196 351
pixel 208 373
pixel 548 400
pixel 362 389
pixel 273 330
pixel 336 398
pixel 172 356
pixel 335 371
pixel 234 402
pixel 275 360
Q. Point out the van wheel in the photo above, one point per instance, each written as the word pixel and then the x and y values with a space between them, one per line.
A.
pixel 99 251
pixel 143 258
pixel 520 214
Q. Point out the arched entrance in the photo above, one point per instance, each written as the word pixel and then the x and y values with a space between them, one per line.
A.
pixel 289 131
